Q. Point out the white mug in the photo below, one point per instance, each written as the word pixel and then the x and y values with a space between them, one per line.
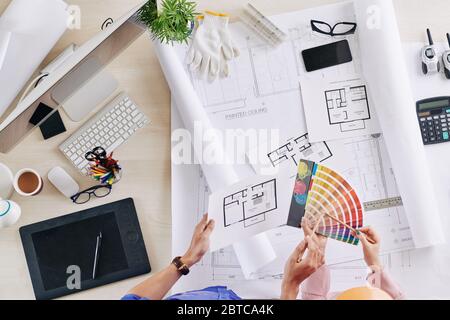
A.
pixel 39 184
pixel 9 213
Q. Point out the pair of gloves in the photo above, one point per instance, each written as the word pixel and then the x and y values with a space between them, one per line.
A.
pixel 212 47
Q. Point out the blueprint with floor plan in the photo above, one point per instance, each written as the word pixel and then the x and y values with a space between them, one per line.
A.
pixel 265 90
pixel 250 207
pixel 190 200
pixel 336 99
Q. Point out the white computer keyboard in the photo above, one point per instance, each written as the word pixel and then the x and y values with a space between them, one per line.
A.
pixel 109 129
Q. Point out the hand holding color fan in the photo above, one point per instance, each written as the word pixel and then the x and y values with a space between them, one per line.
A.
pixel 327 201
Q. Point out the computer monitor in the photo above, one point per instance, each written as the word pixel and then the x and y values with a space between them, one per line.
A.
pixel 87 61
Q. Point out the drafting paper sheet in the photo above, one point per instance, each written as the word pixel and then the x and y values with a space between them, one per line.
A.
pixel 231 102
pixel 336 99
pixel 386 71
pixel 190 198
pixel 438 156
pixel 35 27
pixel 257 95
pixel 252 206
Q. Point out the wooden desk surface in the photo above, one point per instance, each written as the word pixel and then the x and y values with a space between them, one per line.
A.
pixel 146 157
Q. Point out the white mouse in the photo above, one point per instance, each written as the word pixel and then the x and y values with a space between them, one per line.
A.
pixel 63 182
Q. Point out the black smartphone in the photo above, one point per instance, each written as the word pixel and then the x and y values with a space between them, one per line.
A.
pixel 326 56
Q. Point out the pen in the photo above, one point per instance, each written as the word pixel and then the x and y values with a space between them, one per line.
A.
pixel 97 255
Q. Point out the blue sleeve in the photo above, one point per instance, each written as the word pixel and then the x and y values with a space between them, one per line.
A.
pixel 133 297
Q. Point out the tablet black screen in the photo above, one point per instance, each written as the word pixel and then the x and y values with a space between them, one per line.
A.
pixel 61 247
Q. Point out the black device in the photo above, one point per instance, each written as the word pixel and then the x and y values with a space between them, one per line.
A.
pixel 446 59
pixel 434 119
pixel 51 127
pixel 326 56
pixel 56 247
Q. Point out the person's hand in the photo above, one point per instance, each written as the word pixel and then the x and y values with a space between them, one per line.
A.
pixel 370 242
pixel 200 242
pixel 320 239
pixel 300 266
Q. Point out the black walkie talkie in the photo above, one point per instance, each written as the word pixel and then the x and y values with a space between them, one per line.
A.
pixel 446 59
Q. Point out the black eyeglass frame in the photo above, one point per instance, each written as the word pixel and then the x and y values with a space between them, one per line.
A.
pixel 332 28
pixel 90 192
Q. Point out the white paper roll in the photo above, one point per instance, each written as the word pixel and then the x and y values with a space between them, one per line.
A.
pixel 389 87
pixel 34 27
pixel 218 176
pixel 254 254
pixel 192 112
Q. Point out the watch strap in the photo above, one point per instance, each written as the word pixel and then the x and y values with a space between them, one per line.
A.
pixel 181 266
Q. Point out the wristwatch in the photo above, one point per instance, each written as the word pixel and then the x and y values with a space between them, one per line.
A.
pixel 181 266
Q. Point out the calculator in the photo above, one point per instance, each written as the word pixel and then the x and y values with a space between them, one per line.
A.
pixel 434 119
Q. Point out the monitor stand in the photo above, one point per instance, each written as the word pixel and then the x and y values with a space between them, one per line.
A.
pixel 95 92
pixel 80 92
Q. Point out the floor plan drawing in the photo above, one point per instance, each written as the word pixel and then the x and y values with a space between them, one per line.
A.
pixel 371 173
pixel 270 67
pixel 271 87
pixel 250 205
pixel 348 108
pixel 300 148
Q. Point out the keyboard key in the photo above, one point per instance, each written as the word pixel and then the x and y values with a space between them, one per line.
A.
pixel 114 146
pixel 138 118
pixel 78 161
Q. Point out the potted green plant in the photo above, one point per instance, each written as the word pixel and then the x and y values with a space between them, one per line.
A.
pixel 173 22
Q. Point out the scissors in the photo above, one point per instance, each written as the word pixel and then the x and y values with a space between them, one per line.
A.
pixel 97 154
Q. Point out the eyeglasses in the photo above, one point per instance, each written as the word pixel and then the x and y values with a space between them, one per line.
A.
pixel 98 192
pixel 339 29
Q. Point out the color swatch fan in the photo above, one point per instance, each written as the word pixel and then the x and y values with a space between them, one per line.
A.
pixel 328 202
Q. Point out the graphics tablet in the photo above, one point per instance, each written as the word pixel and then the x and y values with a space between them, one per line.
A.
pixel 61 252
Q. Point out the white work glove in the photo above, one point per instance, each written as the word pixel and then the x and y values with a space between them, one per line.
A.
pixel 212 47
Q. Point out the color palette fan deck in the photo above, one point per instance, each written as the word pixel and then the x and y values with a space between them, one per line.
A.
pixel 328 202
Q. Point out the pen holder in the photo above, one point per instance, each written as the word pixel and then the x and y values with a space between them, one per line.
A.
pixel 105 175
pixel 104 168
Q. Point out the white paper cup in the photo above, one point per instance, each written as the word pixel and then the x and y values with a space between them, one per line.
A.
pixel 28 193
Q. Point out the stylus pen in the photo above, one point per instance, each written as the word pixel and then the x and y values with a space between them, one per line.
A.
pixel 97 255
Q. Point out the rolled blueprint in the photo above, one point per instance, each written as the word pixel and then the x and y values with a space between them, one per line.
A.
pixel 262 254
pixel 387 76
pixel 193 115
pixel 218 176
pixel 33 28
